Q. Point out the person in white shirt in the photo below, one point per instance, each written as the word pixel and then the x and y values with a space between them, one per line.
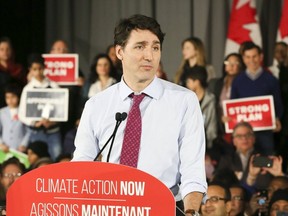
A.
pixel 172 145
pixel 102 75
pixel 43 130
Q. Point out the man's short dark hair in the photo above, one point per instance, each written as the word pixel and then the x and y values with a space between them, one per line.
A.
pixel 35 58
pixel 250 46
pixel 227 195
pixel 123 29
pixel 15 161
pixel 198 73
pixel 243 124
pixel 13 88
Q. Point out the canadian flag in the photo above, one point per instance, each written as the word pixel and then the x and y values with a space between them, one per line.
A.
pixel 243 25
pixel 282 33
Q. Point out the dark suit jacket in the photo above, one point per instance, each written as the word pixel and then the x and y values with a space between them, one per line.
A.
pixel 233 162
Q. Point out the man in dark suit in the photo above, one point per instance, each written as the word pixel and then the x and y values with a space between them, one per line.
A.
pixel 240 160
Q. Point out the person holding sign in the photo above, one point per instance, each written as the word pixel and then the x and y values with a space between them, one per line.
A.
pixel 168 139
pixel 44 130
pixel 255 81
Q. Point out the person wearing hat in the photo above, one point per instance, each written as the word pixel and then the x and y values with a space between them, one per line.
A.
pixel 279 203
pixel 37 150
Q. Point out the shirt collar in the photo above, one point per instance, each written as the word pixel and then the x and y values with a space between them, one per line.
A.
pixel 153 90
pixel 254 76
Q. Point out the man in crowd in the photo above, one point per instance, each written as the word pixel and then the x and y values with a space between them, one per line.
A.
pixel 218 202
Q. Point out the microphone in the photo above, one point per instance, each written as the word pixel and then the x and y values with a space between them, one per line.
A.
pixel 119 117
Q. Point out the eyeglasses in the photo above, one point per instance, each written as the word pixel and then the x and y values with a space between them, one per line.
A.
pixel 10 175
pixel 215 199
pixel 241 136
pixel 237 198
pixel 231 63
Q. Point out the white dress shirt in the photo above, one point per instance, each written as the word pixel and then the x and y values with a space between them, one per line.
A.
pixel 172 142
pixel 97 87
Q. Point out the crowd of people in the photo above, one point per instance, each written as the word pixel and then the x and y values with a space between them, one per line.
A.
pixel 237 186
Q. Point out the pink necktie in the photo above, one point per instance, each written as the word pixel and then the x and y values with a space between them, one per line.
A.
pixel 132 136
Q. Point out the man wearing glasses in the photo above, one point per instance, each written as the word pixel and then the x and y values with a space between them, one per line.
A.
pixel 238 198
pixel 218 202
pixel 11 170
pixel 240 160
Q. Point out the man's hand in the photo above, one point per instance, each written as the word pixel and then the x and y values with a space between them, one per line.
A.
pixel 276 169
pixel 193 201
pixel 4 148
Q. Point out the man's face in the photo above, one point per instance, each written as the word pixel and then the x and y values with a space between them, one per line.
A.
pixel 5 51
pixel 59 47
pixel 280 53
pixel 243 139
pixel 237 201
pixel 279 206
pixel 10 174
pixel 12 100
pixel 37 71
pixel 140 57
pixel 252 59
pixel 215 208
pixel 274 185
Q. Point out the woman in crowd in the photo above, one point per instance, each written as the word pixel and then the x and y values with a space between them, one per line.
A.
pixel 9 70
pixel 193 55
pixel 221 87
pixel 102 75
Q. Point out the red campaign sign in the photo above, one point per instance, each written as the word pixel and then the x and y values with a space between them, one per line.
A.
pixel 89 189
pixel 61 68
pixel 258 111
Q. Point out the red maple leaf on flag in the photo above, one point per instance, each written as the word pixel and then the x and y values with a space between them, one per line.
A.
pixel 238 18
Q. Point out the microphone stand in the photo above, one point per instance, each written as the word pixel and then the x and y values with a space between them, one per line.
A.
pixel 119 118
pixel 122 118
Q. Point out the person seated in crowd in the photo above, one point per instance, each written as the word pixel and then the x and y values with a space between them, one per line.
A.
pixel 239 200
pixel 102 75
pixel 11 170
pixel 258 82
pixel 278 205
pixel 193 54
pixel 13 133
pixel 276 183
pixel 44 129
pixel 260 199
pixel 221 87
pixel 280 55
pixel 240 160
pixel 9 70
pixel 110 51
pixel 196 80
pixel 218 201
pixel 37 150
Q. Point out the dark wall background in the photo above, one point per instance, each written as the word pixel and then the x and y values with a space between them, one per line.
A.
pixel 87 26
pixel 23 21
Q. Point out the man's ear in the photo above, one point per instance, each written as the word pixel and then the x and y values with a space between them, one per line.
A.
pixel 119 52
pixel 228 207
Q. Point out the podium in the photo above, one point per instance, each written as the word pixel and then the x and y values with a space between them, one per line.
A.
pixel 89 189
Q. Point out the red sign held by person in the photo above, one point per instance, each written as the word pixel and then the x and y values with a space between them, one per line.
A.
pixel 258 111
pixel 89 189
pixel 61 68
